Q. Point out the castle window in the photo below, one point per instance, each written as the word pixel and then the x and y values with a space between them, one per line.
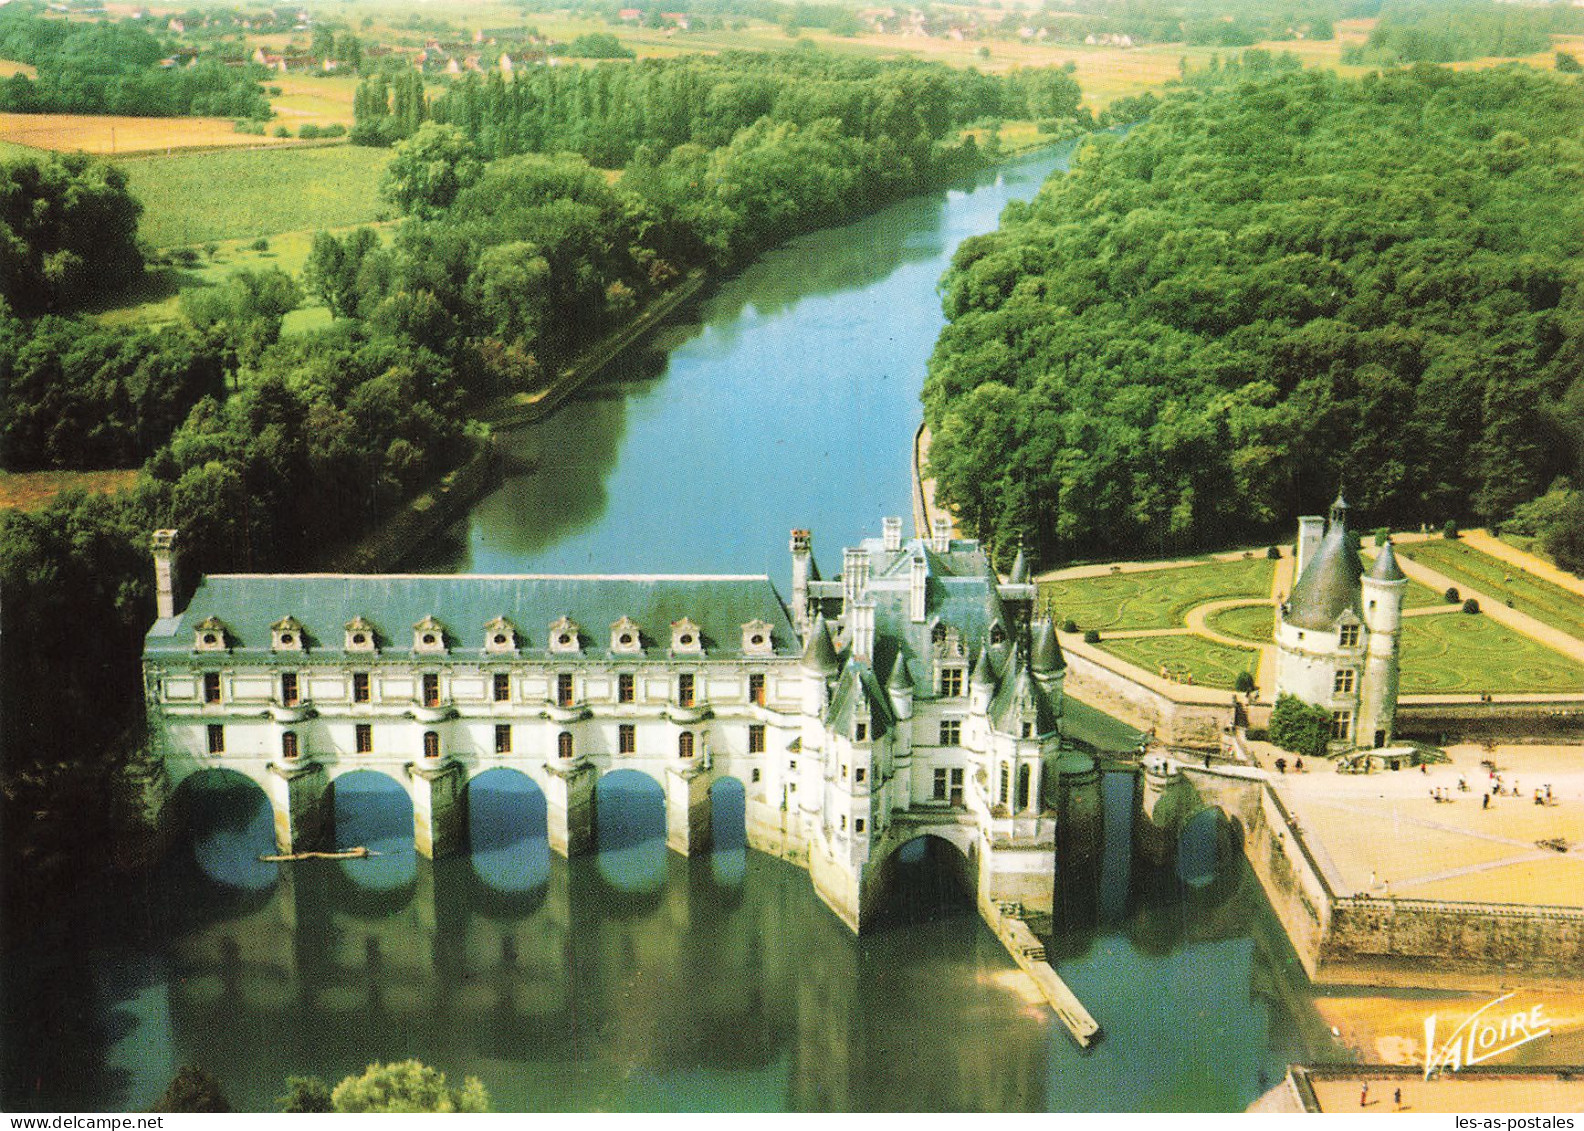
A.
pixel 626 688
pixel 359 635
pixel 858 825
pixel 756 738
pixel 957 787
pixel 1028 729
pixel 500 635
pixel 429 636
pixel 626 636
pixel 844 824
pixel 502 687
pixel 503 740
pixel 997 634
pixel 860 732
pixel 565 635
pixel 685 689
pixel 938 634
pixel 431 689
pixel 951 732
pixel 1343 684
pixel 365 738
pixel 1341 723
pixel 940 786
pixel 287 635
pixel 360 687
pixel 216 738
pixel 626 739
pixel 859 774
pixel 211 687
pixel 757 638
pixel 289 748
pixel 289 689
pixel 1023 786
pixel 1005 792
pixel 1349 636
pixel 564 744
pixel 756 775
pixel 686 637
pixel 756 688
pixel 951 682
pixel 431 744
pixel 844 771
pixel 685 744
pixel 564 689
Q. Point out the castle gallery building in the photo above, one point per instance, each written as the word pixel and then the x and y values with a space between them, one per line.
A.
pixel 911 696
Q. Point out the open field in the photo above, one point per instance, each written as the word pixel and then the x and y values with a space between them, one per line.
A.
pixel 9 67
pixel 1523 591
pixel 1156 598
pixel 322 100
pixel 1208 662
pixel 1458 654
pixel 1254 623
pixel 198 198
pixel 158 299
pixel 32 490
pixel 111 134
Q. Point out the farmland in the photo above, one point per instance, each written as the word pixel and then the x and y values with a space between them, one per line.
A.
pixel 112 134
pixel 199 198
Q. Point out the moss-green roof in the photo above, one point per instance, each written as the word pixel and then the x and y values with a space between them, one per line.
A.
pixel 324 604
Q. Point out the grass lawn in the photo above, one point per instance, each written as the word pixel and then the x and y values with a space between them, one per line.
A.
pixel 1254 623
pixel 1209 663
pixel 1154 598
pixel 200 198
pixel 31 490
pixel 1463 655
pixel 1525 592
pixel 157 299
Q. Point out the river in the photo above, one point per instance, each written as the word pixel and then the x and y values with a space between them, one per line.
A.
pixel 632 978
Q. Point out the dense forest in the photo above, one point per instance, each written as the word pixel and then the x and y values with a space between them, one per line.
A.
pixel 107 67
pixel 1410 31
pixel 1269 290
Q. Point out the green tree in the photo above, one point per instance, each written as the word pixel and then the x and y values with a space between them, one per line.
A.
pixel 407 1086
pixel 305 1094
pixel 1300 727
pixel 193 1089
pixel 429 169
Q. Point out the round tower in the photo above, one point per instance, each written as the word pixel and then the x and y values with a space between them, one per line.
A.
pixel 1383 589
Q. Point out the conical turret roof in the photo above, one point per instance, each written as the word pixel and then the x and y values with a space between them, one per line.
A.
pixel 901 679
pixel 1386 567
pixel 983 673
pixel 1046 654
pixel 1329 585
pixel 819 654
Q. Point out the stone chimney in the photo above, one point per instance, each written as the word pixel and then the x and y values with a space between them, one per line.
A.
pixel 1311 529
pixel 855 574
pixel 167 580
pixel 941 529
pixel 918 580
pixel 863 631
pixel 892 528
pixel 802 557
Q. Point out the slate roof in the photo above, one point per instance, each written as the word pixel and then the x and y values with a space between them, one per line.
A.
pixel 819 654
pixel 1329 585
pixel 324 603
pixel 1386 567
pixel 858 686
pixel 1020 697
pixel 1047 654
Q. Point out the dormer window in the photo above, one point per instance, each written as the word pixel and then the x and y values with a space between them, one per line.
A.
pixel 565 636
pixel 286 635
pixel 686 638
pixel 360 636
pixel 210 635
pixel 429 636
pixel 500 635
pixel 758 638
pixel 626 637
pixel 938 634
pixel 1349 636
pixel 997 634
pixel 860 732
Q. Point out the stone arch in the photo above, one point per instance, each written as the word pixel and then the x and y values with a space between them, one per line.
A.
pixel 1207 840
pixel 224 817
pixel 926 874
pixel 630 830
pixel 507 834
pixel 728 801
pixel 364 811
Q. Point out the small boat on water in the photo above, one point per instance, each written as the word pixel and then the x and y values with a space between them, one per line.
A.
pixel 358 853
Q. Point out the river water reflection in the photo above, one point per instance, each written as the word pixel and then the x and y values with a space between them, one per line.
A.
pixel 632 978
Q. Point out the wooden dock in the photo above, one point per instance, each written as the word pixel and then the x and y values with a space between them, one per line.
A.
pixel 1029 953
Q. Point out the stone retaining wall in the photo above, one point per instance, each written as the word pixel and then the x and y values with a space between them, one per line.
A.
pixel 1194 724
pixel 1506 722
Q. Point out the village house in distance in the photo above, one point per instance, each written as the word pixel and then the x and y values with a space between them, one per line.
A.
pixel 915 695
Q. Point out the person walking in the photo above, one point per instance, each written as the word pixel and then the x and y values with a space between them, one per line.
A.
pixel 1364 1095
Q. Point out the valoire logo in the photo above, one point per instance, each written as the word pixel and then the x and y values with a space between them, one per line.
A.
pixel 1483 1036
